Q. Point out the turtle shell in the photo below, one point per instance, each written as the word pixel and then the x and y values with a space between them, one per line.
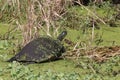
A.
pixel 40 50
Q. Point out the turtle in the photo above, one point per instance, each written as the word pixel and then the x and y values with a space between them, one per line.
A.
pixel 41 50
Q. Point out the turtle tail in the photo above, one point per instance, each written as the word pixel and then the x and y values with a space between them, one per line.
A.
pixel 12 59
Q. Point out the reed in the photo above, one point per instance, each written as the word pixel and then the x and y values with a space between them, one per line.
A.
pixel 33 16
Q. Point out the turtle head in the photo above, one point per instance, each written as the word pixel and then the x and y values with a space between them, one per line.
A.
pixel 62 35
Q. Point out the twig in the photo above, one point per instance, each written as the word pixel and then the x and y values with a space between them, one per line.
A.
pixel 92 68
pixel 90 12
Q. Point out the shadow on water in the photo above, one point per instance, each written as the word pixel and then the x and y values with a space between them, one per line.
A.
pixel 32 62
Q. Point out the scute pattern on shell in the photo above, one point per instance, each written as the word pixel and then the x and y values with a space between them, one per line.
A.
pixel 40 50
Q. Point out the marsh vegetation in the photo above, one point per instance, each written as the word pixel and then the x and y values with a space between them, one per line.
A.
pixel 92 43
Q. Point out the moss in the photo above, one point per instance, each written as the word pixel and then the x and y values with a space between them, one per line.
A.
pixel 23 57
